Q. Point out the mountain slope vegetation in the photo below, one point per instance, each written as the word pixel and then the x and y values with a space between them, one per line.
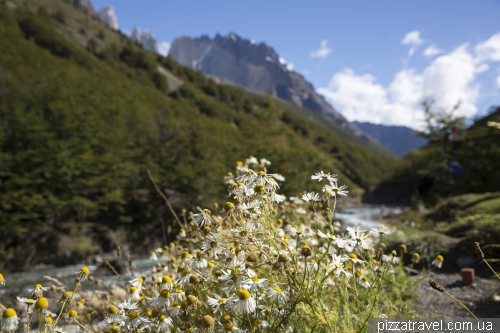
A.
pixel 446 167
pixel 82 125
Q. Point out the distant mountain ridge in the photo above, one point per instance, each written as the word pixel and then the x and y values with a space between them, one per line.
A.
pixel 255 66
pixel 399 139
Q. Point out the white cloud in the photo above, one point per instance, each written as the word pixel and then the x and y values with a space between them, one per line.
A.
pixel 489 50
pixel 323 50
pixel 413 39
pixel 448 79
pixel 432 51
pixel 164 48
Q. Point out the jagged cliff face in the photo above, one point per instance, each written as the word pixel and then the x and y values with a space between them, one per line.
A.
pixel 146 39
pixel 108 16
pixel 255 66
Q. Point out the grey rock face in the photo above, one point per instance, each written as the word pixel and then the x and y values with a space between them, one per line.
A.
pixel 146 39
pixel 149 42
pixel 107 15
pixel 255 66
pixel 86 6
pixel 136 35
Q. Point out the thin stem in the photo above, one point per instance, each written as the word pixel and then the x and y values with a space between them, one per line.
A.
pixel 166 200
pixel 491 269
pixel 456 300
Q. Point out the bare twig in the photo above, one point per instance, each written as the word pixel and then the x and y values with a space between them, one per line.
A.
pixel 165 198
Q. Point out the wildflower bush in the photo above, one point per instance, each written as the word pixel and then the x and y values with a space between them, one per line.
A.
pixel 261 263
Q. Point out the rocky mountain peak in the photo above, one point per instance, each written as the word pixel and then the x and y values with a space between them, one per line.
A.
pixel 146 39
pixel 108 16
pixel 257 67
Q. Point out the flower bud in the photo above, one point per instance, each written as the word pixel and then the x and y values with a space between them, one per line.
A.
pixel 306 251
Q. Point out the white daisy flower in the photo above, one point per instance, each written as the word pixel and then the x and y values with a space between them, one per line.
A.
pixel 364 282
pixel 390 258
pixel 278 198
pixel 216 302
pixel 279 177
pixel 26 300
pixel 126 305
pixel 166 283
pixel 278 295
pixel 263 161
pixel 311 196
pixel 252 160
pixel 321 175
pixel 337 265
pixel 174 309
pixel 254 283
pixel 345 243
pixel 184 279
pixel 245 302
pixel 334 189
pixel 327 235
pixel 164 323
pixel 438 262
pixel 381 231
pixel 134 294
pixel 202 218
pixel 9 320
pixel 135 321
pixel 137 282
pixel 161 298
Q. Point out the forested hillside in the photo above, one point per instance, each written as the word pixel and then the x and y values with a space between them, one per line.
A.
pixel 446 167
pixel 80 128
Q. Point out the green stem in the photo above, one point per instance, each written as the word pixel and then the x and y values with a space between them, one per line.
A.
pixel 456 300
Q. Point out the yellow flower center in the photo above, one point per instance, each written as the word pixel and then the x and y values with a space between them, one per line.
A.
pixel 228 206
pixel 229 327
pixel 185 255
pixel 165 293
pixel 85 270
pixel 165 279
pixel 112 309
pixel 278 289
pixel 243 294
pixel 42 303
pixel 255 279
pixel 440 257
pixel 9 313
pixel 222 300
pixel 133 315
pixel 73 314
pixel 353 256
pixel 132 289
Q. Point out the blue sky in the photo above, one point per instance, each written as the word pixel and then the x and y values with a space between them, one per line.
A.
pixel 373 60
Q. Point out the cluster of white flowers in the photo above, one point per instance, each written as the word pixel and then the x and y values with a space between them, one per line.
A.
pixel 249 264
pixel 262 262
